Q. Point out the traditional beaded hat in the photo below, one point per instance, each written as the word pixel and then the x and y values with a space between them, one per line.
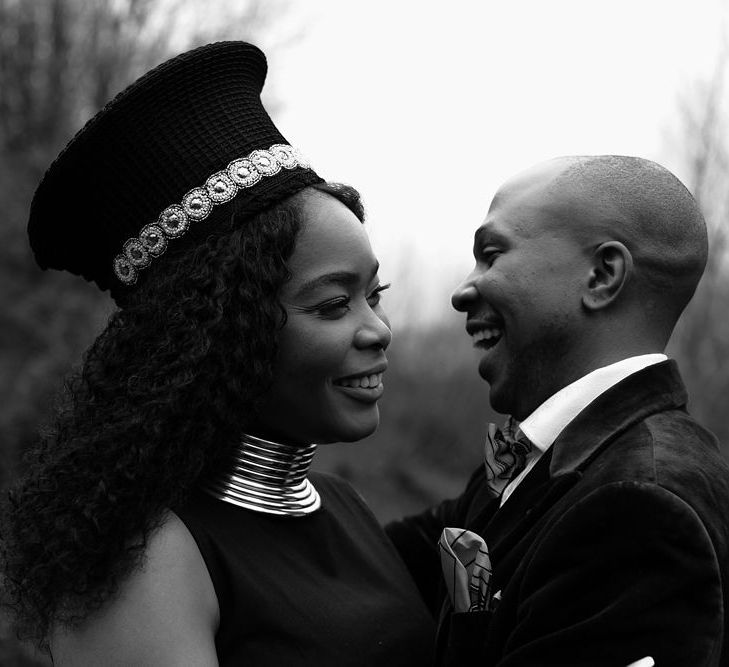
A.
pixel 161 163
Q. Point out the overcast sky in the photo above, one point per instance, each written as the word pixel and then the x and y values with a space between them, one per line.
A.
pixel 426 107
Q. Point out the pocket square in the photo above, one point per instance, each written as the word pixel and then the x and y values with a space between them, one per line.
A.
pixel 466 565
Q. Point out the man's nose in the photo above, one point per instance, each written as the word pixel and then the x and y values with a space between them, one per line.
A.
pixel 464 295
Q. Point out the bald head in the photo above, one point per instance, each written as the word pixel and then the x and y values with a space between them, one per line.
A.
pixel 642 205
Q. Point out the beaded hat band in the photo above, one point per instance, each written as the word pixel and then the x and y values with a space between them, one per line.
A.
pixel 158 162
pixel 240 174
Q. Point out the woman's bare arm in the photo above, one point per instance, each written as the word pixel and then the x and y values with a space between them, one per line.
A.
pixel 166 612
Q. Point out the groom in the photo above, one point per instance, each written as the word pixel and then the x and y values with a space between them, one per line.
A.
pixel 597 533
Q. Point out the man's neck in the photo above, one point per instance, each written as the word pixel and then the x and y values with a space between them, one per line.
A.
pixel 546 422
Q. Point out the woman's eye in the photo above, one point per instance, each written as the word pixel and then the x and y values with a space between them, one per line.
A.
pixel 374 298
pixel 339 306
pixel 333 308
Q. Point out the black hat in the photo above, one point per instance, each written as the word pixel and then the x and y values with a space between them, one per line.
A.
pixel 151 167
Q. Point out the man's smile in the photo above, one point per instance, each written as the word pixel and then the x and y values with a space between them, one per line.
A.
pixel 485 333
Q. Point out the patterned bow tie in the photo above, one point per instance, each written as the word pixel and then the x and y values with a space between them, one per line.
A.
pixel 505 454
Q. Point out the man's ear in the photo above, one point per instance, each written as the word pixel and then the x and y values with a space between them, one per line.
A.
pixel 612 268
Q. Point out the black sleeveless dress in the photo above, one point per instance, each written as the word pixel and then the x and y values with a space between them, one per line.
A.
pixel 326 589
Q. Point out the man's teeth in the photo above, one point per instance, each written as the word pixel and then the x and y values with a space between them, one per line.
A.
pixel 366 381
pixel 491 335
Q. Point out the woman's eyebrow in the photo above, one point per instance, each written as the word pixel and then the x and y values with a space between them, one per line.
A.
pixel 345 278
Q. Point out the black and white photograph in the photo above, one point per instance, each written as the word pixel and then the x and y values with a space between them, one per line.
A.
pixel 364 334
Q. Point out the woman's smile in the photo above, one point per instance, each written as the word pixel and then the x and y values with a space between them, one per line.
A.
pixel 366 386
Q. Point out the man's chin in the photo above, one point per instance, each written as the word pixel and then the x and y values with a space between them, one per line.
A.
pixel 485 371
pixel 491 372
pixel 501 397
pixel 498 404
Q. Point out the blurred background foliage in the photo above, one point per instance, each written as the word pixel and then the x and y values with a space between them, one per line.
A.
pixel 61 60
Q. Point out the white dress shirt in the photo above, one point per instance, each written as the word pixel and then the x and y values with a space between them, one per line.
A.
pixel 544 424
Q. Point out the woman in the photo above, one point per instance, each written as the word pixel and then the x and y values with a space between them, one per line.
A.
pixel 171 518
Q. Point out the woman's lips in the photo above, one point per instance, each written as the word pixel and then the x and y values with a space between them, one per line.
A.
pixel 366 387
pixel 363 394
pixel 365 381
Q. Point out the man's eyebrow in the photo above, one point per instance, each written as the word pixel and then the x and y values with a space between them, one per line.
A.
pixel 484 234
pixel 345 278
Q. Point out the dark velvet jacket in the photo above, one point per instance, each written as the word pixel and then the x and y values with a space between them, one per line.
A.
pixel 613 548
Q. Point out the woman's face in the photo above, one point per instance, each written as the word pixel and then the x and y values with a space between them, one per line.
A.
pixel 328 374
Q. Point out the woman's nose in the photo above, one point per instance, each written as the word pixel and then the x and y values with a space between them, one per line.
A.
pixel 464 295
pixel 375 332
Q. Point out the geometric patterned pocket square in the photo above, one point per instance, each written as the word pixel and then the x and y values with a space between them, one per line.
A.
pixel 464 558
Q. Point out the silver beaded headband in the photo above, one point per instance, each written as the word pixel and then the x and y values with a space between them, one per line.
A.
pixel 198 203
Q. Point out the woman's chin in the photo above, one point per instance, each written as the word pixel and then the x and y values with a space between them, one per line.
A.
pixel 341 426
pixel 352 430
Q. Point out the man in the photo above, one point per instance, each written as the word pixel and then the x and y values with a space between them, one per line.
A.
pixel 606 526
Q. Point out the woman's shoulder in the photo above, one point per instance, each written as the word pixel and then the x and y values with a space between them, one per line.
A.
pixel 165 610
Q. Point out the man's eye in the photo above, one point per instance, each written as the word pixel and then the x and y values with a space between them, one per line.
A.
pixel 489 254
pixel 375 296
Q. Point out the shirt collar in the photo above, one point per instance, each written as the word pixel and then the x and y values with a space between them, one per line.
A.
pixel 544 424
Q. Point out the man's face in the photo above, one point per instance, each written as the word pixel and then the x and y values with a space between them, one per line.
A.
pixel 523 297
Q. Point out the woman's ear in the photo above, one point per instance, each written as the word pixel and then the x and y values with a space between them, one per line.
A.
pixel 612 268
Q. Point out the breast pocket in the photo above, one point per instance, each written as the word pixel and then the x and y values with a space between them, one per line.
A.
pixel 466 640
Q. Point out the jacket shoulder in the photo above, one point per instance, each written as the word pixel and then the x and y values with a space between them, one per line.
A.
pixel 670 451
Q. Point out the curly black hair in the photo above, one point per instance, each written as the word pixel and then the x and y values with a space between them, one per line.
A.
pixel 162 396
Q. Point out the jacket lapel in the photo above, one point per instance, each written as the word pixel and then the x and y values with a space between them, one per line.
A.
pixel 531 500
pixel 518 507
pixel 654 389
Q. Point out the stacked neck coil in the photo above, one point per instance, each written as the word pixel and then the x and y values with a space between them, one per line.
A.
pixel 269 477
